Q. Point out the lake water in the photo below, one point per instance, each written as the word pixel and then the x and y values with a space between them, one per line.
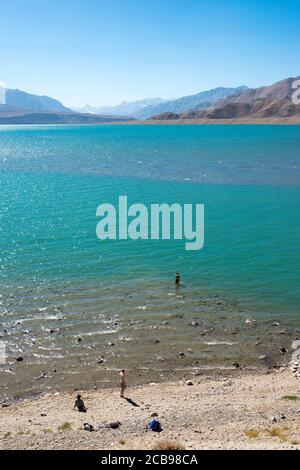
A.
pixel 77 308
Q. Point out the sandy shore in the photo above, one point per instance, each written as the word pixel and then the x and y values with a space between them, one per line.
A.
pixel 252 121
pixel 247 121
pixel 228 412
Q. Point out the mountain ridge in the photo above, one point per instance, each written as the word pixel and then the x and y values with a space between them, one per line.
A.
pixel 26 108
pixel 271 102
pixel 21 100
pixel 201 100
pixel 128 108
pixel 267 102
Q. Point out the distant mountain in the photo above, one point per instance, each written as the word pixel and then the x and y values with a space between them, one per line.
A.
pixel 126 108
pixel 20 100
pixel 26 108
pixel 199 101
pixel 268 102
pixel 273 101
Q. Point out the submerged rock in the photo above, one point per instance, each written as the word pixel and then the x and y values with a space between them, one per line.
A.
pixel 236 365
pixel 235 331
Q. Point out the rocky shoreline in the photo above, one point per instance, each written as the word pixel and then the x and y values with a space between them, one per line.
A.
pixel 243 411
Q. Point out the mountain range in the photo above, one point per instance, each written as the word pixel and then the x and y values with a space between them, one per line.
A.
pixel 126 108
pixel 26 108
pixel 269 103
pixel 199 101
pixel 147 108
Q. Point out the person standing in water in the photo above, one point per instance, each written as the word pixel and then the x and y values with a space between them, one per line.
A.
pixel 123 382
pixel 177 279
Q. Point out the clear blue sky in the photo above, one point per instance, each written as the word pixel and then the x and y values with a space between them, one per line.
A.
pixel 106 51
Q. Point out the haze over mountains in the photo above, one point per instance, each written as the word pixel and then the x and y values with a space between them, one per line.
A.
pixel 126 108
pixel 270 102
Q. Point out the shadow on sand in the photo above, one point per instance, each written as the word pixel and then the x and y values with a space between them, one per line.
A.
pixel 131 402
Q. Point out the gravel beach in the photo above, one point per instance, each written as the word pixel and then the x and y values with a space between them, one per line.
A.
pixel 253 411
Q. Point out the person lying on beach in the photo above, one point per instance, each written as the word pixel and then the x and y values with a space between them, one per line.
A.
pixel 123 382
pixel 79 404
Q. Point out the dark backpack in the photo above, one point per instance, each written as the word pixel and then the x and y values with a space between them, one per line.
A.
pixel 155 426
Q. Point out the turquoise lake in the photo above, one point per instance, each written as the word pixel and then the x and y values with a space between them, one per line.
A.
pixel 67 298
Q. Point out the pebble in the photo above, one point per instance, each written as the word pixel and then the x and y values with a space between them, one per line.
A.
pixel 296 344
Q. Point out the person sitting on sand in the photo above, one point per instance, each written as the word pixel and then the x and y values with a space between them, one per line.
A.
pixel 79 404
pixel 123 382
